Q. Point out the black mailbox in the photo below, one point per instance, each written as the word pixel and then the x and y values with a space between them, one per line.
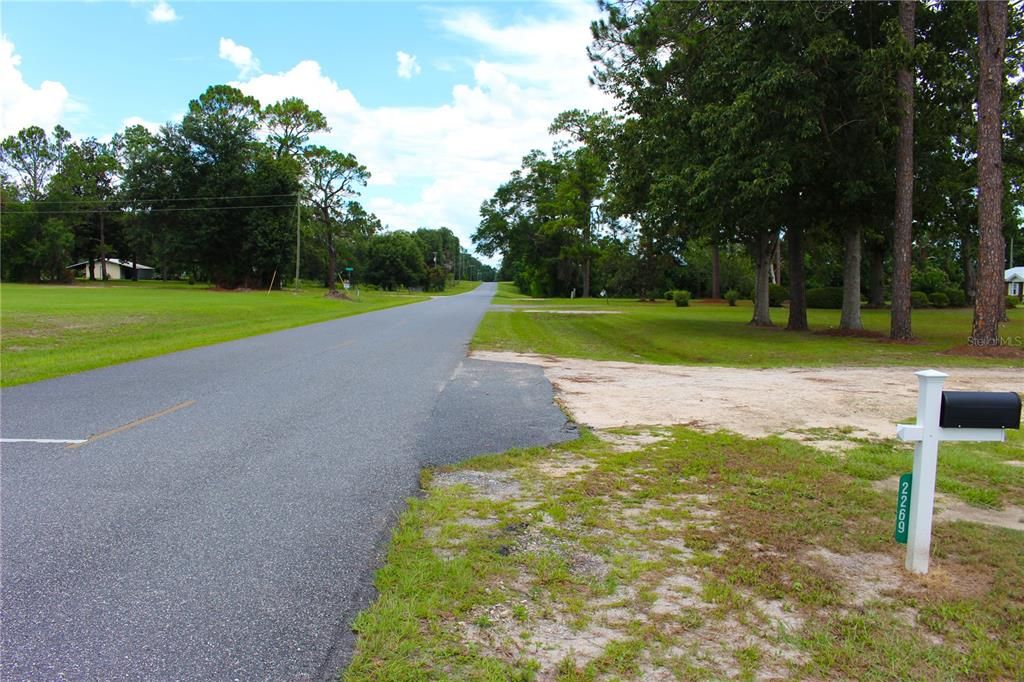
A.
pixel 974 410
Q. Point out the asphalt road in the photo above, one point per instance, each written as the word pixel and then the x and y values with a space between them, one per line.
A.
pixel 224 518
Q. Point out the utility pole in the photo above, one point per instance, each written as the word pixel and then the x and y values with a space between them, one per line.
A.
pixel 298 243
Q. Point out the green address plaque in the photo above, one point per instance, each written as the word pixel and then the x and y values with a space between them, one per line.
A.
pixel 903 508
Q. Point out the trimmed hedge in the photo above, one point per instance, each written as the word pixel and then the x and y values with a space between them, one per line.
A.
pixel 826 297
pixel 732 296
pixel 957 298
pixel 919 299
pixel 1011 302
pixel 682 298
pixel 939 300
pixel 777 294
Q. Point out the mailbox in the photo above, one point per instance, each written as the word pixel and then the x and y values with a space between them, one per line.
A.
pixel 974 410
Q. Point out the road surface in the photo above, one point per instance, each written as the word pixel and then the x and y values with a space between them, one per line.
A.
pixel 223 518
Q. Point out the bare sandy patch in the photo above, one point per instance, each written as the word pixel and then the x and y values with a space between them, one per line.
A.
pixel 865 576
pixel 865 402
pixel 494 485
pixel 628 442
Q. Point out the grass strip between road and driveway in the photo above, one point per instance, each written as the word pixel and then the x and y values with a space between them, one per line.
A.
pixel 672 554
pixel 52 330
pixel 718 334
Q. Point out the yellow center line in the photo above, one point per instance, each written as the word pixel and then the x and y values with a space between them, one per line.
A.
pixel 132 425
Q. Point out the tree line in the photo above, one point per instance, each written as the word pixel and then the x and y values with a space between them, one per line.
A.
pixel 872 146
pixel 226 196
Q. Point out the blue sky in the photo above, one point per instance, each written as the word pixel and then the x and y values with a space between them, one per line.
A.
pixel 440 100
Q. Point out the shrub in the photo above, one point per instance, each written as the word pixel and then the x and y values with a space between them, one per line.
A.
pixel 825 297
pixel 957 298
pixel 682 298
pixel 732 296
pixel 669 295
pixel 1011 302
pixel 777 294
pixel 919 299
pixel 939 300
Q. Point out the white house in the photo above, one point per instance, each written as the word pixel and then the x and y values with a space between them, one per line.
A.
pixel 1014 279
pixel 116 269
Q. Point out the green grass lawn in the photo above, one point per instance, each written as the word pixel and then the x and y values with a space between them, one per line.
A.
pixel 48 331
pixel 659 332
pixel 696 556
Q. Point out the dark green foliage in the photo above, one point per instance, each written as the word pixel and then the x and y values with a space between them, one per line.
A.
pixel 669 295
pixel 436 278
pixel 732 296
pixel 1011 302
pixel 938 299
pixel 957 298
pixel 681 298
pixel 777 294
pixel 825 297
pixel 395 260
pixel 929 279
pixel 919 299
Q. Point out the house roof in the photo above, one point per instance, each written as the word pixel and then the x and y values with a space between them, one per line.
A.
pixel 1014 274
pixel 115 261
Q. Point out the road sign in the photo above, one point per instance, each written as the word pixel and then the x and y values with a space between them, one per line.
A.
pixel 903 508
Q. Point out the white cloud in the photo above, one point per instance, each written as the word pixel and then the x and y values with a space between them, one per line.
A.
pixel 239 55
pixel 459 152
pixel 162 13
pixel 21 105
pixel 139 121
pixel 407 65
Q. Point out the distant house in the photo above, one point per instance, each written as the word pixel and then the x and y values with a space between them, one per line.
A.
pixel 116 269
pixel 1014 279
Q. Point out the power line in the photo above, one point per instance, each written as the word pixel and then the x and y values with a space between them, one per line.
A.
pixel 137 201
pixel 166 210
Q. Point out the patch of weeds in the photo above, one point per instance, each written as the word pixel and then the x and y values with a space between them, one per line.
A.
pixel 724 596
pixel 690 619
pixel 748 658
pixel 569 671
pixel 701 556
pixel 620 658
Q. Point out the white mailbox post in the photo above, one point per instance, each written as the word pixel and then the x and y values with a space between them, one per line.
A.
pixel 926 435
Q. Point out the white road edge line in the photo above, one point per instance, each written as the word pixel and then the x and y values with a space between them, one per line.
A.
pixel 39 440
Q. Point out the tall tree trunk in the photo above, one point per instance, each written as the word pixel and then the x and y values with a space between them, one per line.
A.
pixel 716 273
pixel 92 268
pixel 763 249
pixel 797 282
pixel 967 266
pixel 876 284
pixel 587 237
pixel 903 224
pixel 332 264
pixel 135 266
pixel 777 262
pixel 990 306
pixel 850 318
pixel 103 249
